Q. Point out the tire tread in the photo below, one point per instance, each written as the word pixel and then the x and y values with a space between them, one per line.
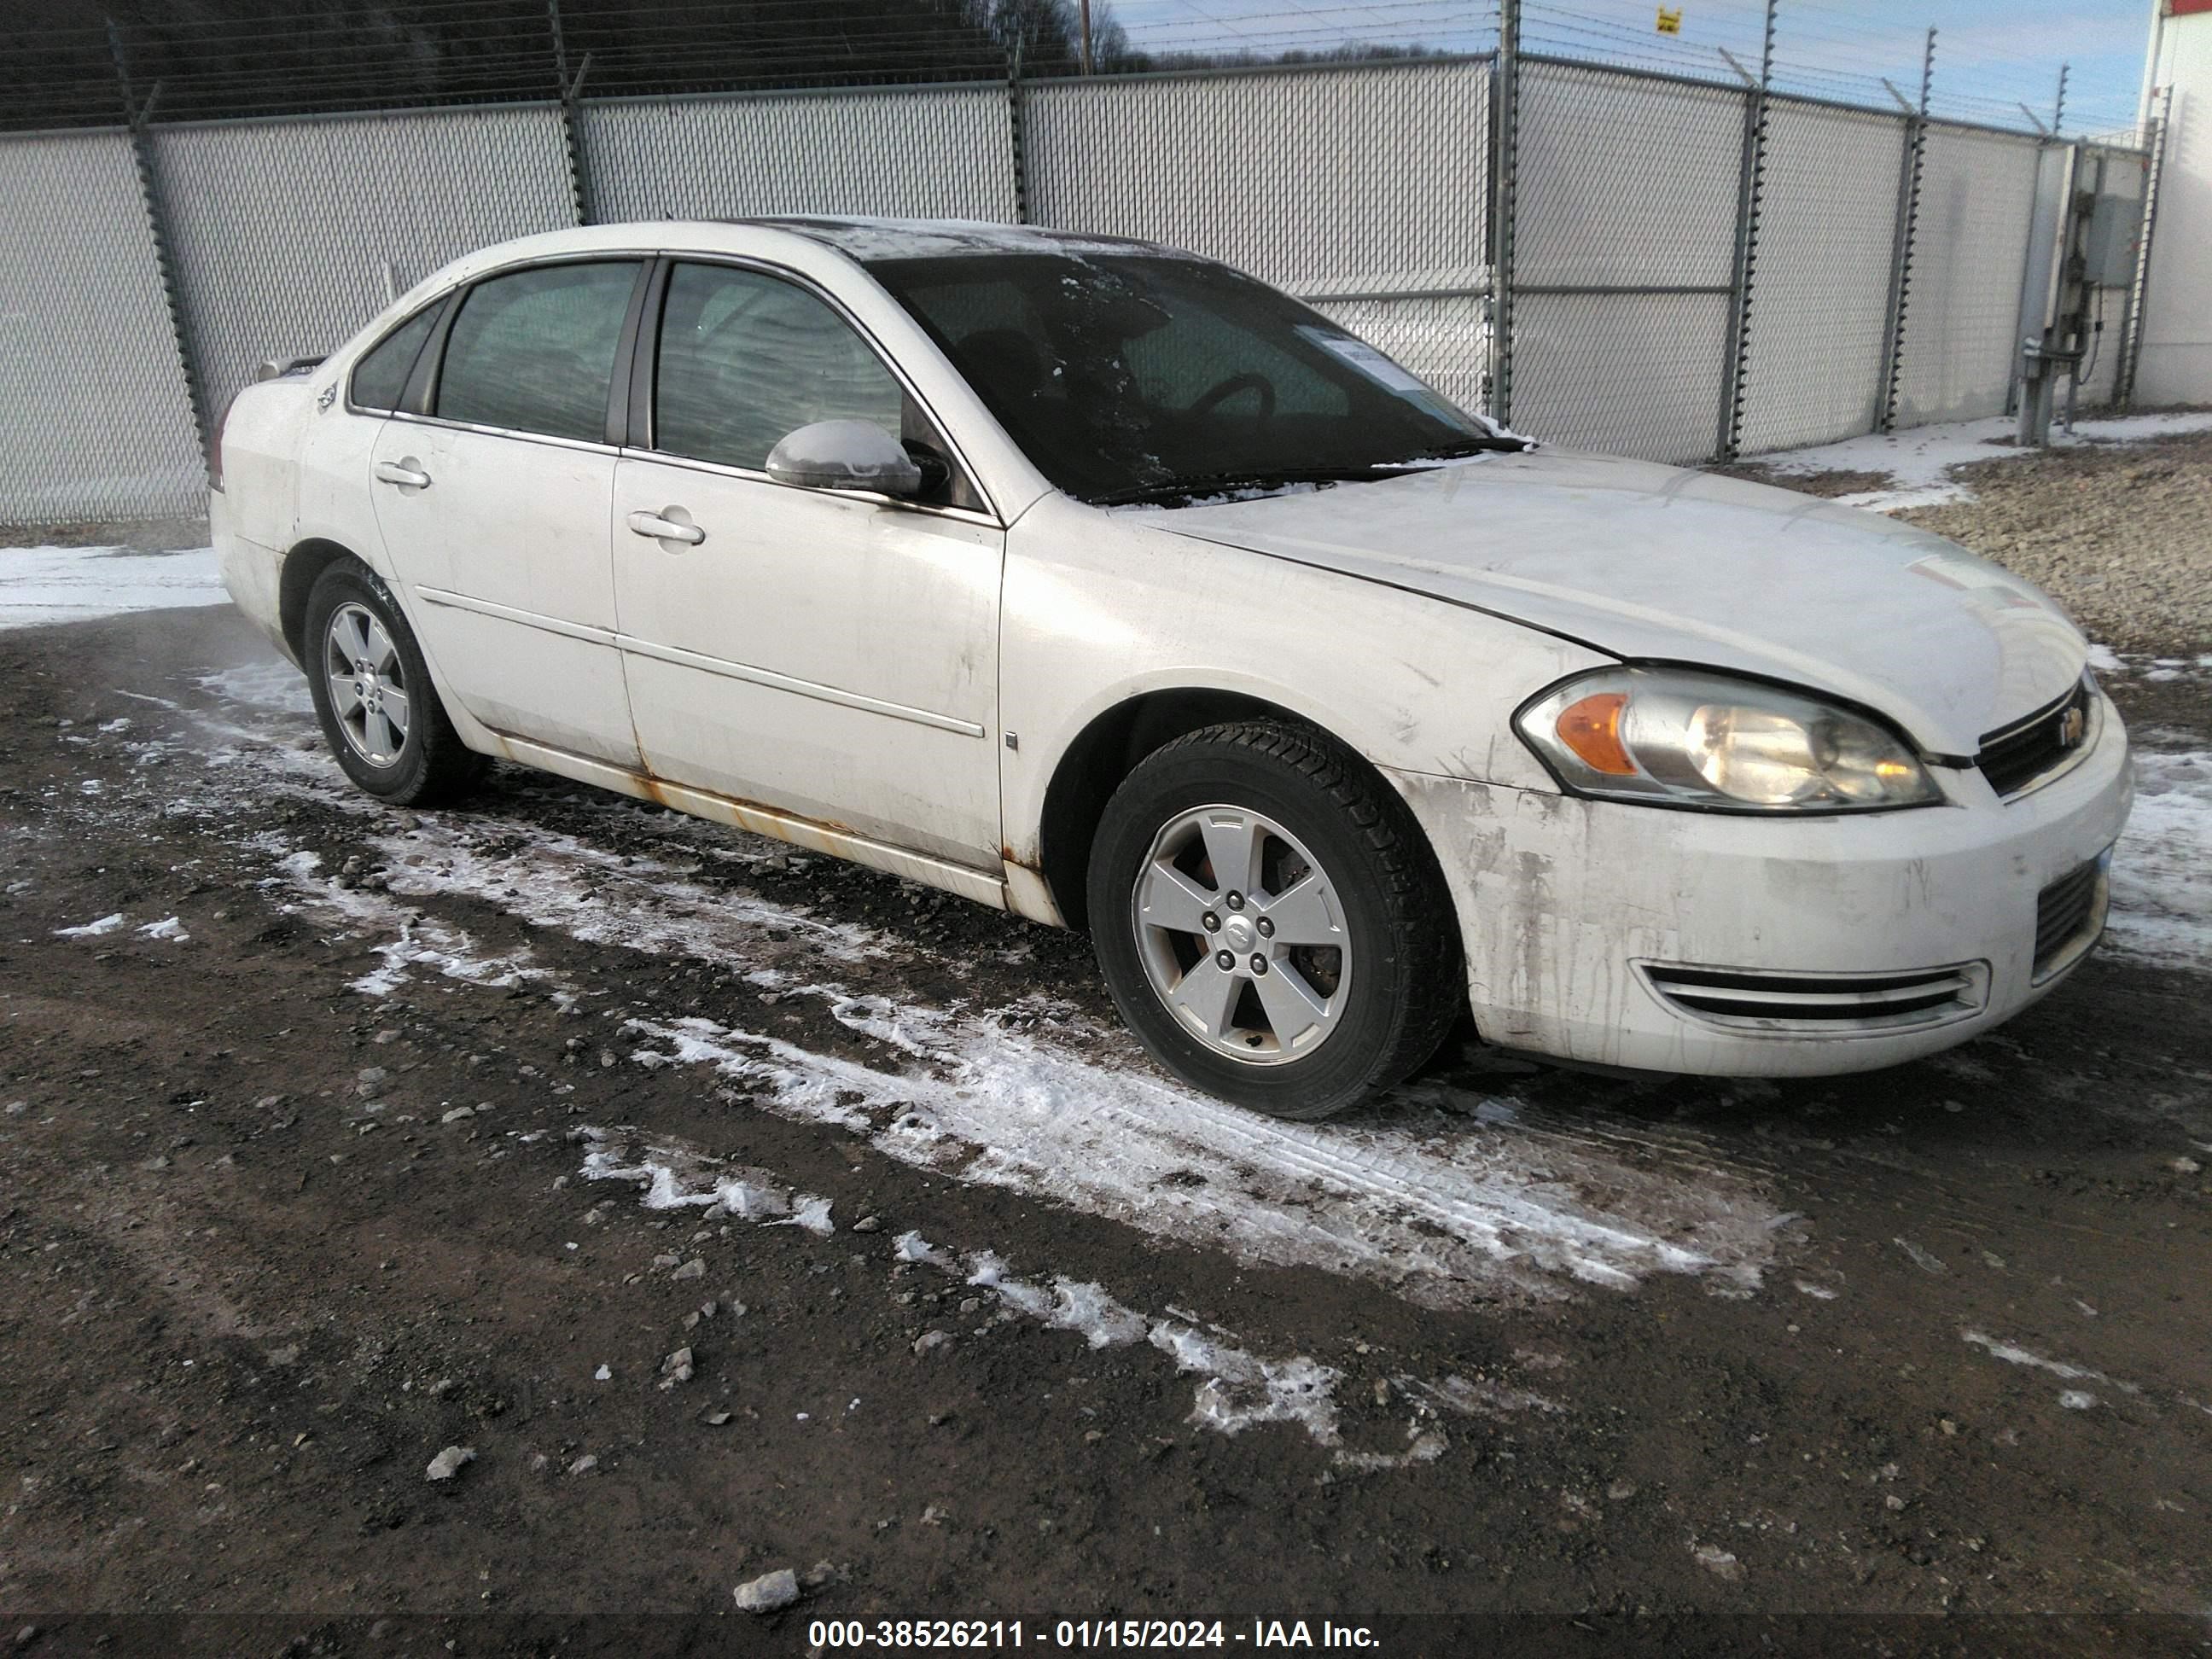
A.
pixel 1413 893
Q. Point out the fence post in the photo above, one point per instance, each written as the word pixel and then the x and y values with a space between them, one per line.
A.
pixel 2123 387
pixel 1014 135
pixel 1751 189
pixel 572 133
pixel 136 116
pixel 1900 258
pixel 1504 142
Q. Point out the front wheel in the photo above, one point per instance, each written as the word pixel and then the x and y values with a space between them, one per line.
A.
pixel 1270 922
pixel 380 713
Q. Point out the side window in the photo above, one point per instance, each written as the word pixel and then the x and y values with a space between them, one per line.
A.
pixel 533 351
pixel 746 359
pixel 381 377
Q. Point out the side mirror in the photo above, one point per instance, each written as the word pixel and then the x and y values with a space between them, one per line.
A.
pixel 844 455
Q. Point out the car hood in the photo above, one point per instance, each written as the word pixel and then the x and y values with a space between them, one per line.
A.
pixel 1647 561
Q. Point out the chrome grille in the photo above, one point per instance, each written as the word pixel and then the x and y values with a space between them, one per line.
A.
pixel 1825 1004
pixel 2069 914
pixel 2015 757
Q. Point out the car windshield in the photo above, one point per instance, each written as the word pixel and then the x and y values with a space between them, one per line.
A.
pixel 1140 377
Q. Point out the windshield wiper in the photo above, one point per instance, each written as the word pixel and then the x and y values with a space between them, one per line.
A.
pixel 1193 485
pixel 1489 443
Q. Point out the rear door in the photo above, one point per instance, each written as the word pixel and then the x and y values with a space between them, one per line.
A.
pixel 495 504
pixel 827 654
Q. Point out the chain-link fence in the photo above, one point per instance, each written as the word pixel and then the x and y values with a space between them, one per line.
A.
pixel 1673 269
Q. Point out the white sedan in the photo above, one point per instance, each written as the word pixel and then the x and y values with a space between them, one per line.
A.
pixel 1106 585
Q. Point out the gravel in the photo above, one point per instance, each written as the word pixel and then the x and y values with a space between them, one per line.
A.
pixel 2118 533
pixel 771 1592
pixel 448 1463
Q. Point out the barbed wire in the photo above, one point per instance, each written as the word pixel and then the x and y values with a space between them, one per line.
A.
pixel 355 56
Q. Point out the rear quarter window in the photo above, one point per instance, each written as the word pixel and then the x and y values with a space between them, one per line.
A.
pixel 379 377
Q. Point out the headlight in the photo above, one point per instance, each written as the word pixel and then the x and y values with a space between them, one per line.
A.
pixel 1679 738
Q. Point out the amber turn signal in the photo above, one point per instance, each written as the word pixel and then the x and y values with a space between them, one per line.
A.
pixel 1591 728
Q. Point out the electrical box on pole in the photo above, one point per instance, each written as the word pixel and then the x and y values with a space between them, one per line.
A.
pixel 2083 241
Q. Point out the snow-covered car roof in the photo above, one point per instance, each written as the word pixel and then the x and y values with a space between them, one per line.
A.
pixel 867 238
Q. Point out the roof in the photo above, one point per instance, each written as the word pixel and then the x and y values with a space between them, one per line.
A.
pixel 870 239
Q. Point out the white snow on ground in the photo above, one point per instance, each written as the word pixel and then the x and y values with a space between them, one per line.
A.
pixel 2142 666
pixel 2071 1399
pixel 1238 1389
pixel 1919 459
pixel 1441 1206
pixel 2162 869
pixel 42 584
pixel 1442 1196
pixel 92 929
pixel 276 686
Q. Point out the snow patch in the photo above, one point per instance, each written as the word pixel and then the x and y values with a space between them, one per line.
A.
pixel 1480 1399
pixel 169 927
pixel 91 929
pixel 2072 1398
pixel 275 687
pixel 1238 1390
pixel 1443 1197
pixel 677 1176
pixel 2161 874
pixel 43 585
pixel 1919 459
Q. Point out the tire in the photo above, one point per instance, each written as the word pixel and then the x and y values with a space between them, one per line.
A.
pixel 1296 1028
pixel 383 722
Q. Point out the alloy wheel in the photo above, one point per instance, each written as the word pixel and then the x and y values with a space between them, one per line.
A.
pixel 1241 935
pixel 368 684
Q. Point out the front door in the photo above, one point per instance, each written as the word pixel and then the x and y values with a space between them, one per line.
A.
pixel 830 656
pixel 495 509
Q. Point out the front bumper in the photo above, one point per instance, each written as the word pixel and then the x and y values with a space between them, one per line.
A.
pixel 1567 906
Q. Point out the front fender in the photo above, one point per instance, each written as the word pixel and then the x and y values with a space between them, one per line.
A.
pixel 1099 608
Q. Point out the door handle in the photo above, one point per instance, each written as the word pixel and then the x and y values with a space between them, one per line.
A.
pixel 406 474
pixel 660 529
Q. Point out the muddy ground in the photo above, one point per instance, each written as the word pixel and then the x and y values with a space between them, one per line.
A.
pixel 341 1146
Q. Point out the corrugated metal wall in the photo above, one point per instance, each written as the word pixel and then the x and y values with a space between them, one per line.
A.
pixel 283 230
pixel 94 418
pixel 938 151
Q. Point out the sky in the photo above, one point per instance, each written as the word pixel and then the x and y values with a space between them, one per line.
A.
pixel 1991 54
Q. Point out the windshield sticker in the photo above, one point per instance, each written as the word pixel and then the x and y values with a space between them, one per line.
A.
pixel 1366 359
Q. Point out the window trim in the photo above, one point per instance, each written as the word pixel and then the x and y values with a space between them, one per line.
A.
pixel 407 385
pixel 645 367
pixel 430 362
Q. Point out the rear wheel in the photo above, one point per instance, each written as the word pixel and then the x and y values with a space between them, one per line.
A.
pixel 1270 922
pixel 372 689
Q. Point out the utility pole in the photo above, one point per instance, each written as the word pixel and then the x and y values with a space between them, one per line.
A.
pixel 1086 40
pixel 2058 109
